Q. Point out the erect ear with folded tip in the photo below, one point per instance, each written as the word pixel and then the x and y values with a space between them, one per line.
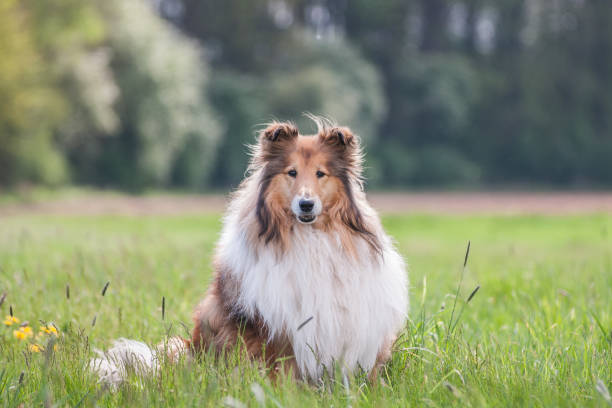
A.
pixel 278 131
pixel 276 139
pixel 345 150
pixel 339 136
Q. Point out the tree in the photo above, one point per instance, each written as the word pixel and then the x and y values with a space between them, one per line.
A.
pixel 167 131
pixel 31 105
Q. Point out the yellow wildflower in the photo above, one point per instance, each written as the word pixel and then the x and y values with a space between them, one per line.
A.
pixel 49 329
pixel 9 320
pixel 35 348
pixel 23 333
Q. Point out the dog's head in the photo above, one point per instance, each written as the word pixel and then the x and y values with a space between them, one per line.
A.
pixel 309 180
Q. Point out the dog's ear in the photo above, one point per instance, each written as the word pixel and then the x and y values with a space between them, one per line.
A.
pixel 274 140
pixel 278 132
pixel 344 145
pixel 339 137
pixel 345 151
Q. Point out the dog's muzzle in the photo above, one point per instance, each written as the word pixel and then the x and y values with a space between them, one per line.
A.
pixel 306 209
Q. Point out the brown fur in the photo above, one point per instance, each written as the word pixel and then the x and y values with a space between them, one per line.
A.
pixel 384 354
pixel 218 326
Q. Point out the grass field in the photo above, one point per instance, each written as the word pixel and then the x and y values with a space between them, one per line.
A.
pixel 537 333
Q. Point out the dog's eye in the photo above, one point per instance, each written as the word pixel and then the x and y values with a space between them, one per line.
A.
pixel 292 173
pixel 320 174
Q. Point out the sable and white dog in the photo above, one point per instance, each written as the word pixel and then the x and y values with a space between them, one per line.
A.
pixel 300 244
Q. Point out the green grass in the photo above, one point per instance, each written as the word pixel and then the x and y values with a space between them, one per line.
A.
pixel 537 333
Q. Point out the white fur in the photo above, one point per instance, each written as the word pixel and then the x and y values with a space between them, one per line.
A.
pixel 357 304
pixel 112 366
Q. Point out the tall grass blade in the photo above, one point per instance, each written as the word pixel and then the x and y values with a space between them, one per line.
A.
pixel 105 288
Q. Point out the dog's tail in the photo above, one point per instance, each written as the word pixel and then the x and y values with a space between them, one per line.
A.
pixel 112 366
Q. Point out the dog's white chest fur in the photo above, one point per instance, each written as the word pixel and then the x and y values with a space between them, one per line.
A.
pixel 356 304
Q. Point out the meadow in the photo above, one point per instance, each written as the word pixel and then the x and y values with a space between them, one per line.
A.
pixel 537 332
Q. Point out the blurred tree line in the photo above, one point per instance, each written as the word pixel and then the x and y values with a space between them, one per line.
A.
pixel 105 93
pixel 143 93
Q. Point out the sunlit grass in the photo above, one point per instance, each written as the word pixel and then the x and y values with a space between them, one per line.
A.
pixel 537 333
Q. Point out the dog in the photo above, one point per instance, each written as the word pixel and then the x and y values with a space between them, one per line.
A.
pixel 305 278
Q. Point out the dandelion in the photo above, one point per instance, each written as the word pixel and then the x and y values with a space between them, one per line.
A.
pixel 35 348
pixel 10 320
pixel 23 333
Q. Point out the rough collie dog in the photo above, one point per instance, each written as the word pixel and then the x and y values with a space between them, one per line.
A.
pixel 304 272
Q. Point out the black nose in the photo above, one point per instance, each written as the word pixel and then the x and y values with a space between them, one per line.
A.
pixel 306 205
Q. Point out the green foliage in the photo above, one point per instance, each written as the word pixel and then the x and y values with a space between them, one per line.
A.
pixel 241 98
pixel 426 166
pixel 162 110
pixel 537 333
pixel 331 79
pixel 437 94
pixel 30 105
pixel 111 93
